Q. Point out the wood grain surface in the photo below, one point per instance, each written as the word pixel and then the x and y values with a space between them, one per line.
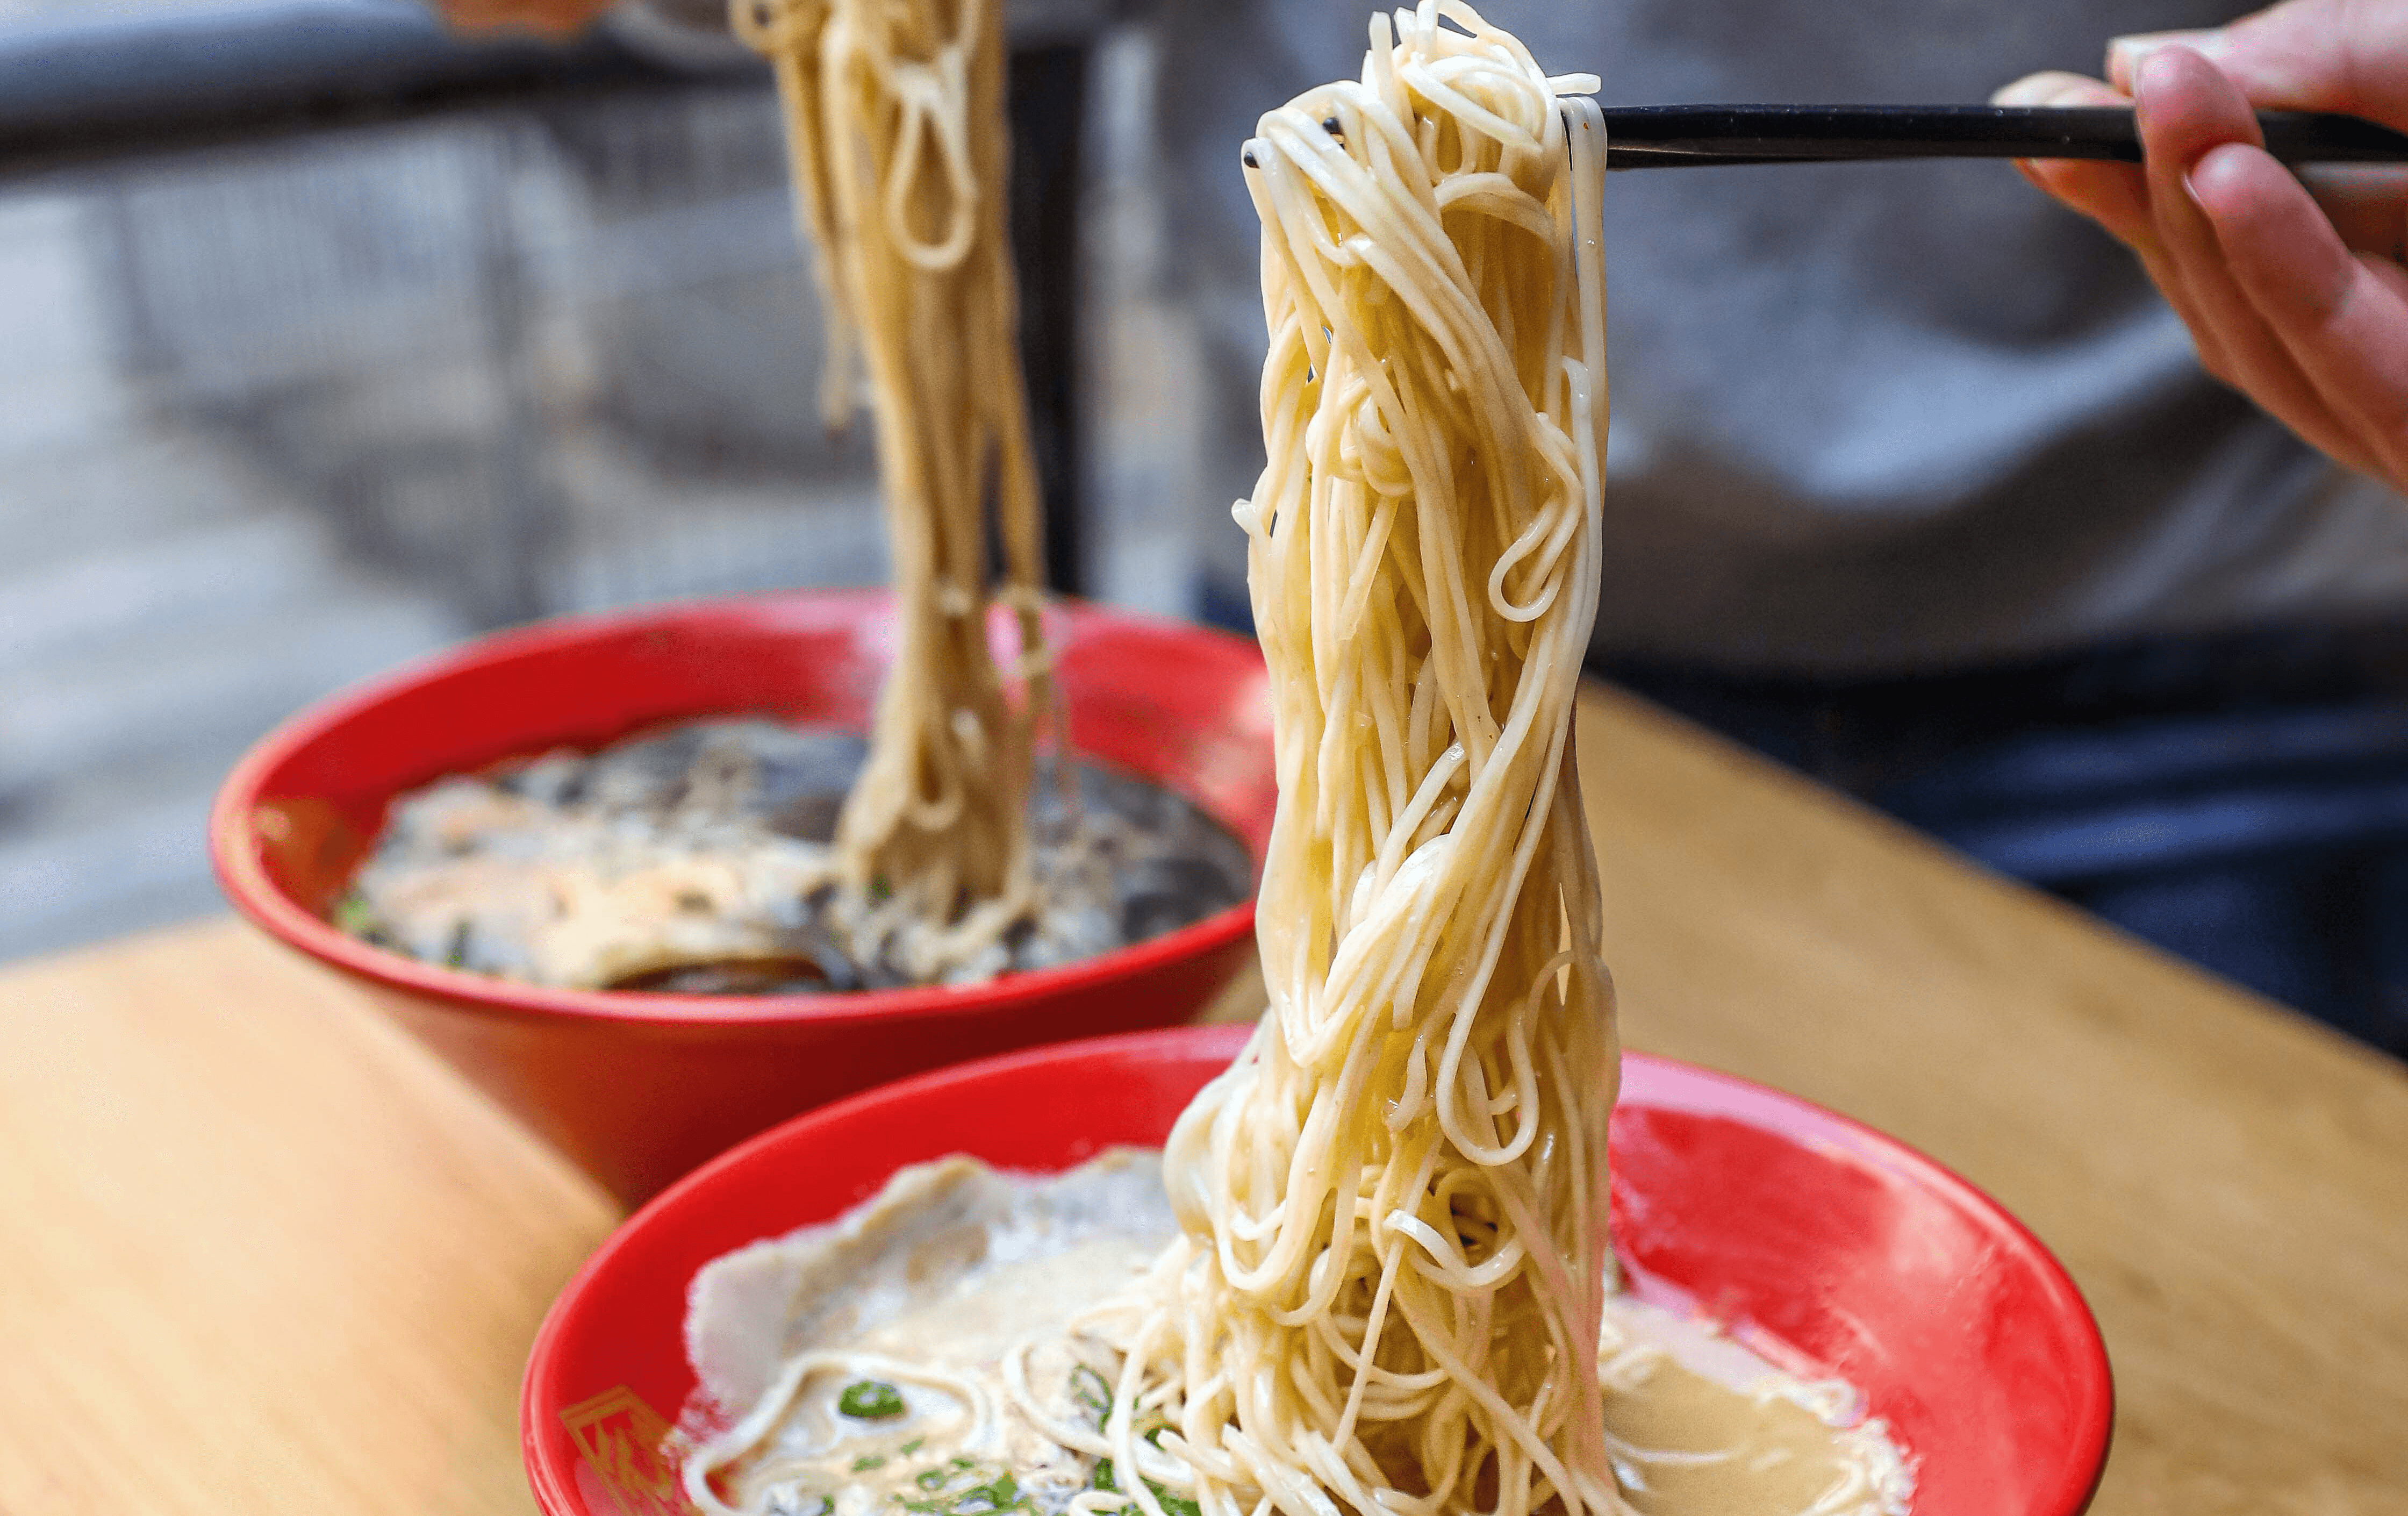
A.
pixel 260 1254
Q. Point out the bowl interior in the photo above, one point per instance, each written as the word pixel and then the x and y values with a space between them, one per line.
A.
pixel 1179 705
pixel 1824 1245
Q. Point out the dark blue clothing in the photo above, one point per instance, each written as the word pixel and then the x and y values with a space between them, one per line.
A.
pixel 2241 800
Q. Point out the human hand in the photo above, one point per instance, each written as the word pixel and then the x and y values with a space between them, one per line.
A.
pixel 553 18
pixel 2294 294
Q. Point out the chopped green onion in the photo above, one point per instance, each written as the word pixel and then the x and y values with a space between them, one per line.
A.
pixel 993 1496
pixel 1172 1505
pixel 870 1400
pixel 912 1447
pixel 930 1478
pixel 866 1462
pixel 965 1463
pixel 1088 1389
pixel 355 914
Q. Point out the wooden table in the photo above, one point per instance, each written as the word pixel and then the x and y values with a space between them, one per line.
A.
pixel 259 1254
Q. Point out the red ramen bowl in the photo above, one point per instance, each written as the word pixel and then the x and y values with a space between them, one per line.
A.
pixel 1824 1246
pixel 638 1088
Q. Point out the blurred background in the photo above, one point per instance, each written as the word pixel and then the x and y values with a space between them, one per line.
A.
pixel 331 338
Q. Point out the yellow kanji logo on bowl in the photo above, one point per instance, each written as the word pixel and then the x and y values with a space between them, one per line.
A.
pixel 621 1437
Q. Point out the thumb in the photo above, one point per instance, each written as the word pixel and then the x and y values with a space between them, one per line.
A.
pixel 2343 55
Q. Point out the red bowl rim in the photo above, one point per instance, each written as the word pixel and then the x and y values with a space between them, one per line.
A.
pixel 235 857
pixel 1673 1083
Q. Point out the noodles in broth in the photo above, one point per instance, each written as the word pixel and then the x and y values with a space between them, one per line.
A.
pixel 896 128
pixel 1389 1287
pixel 1389 1293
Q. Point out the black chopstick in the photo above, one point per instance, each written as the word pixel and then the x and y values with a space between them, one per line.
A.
pixel 1671 137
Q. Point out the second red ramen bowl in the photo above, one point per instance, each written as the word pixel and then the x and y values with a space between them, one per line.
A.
pixel 1828 1248
pixel 638 1088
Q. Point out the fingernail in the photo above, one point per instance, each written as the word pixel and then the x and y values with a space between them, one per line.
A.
pixel 2218 162
pixel 2032 90
pixel 2125 53
pixel 2137 85
pixel 2209 40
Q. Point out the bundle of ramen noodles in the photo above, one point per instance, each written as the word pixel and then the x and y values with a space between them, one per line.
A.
pixel 895 123
pixel 1388 1292
pixel 1386 1287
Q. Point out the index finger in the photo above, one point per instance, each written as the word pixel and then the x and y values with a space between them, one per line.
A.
pixel 2343 318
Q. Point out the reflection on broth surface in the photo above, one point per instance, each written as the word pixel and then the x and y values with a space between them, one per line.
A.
pixel 927 1355
pixel 698 860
